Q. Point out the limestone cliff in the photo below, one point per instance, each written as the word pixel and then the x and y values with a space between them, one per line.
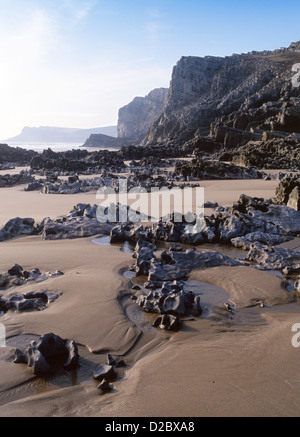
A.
pixel 135 119
pixel 234 99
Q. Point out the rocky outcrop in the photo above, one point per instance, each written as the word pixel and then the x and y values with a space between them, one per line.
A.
pixel 203 169
pixel 19 226
pixel 274 258
pixel 30 301
pixel 15 155
pixel 79 161
pixel 288 191
pixel 100 140
pixel 271 153
pixel 250 215
pixel 16 276
pixel 49 354
pixel 234 99
pixel 135 119
pixel 9 180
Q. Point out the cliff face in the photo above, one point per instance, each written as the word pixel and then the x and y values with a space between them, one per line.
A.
pixel 240 94
pixel 135 119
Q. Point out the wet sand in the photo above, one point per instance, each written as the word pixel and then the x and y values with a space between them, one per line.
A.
pixel 218 365
pixel 15 202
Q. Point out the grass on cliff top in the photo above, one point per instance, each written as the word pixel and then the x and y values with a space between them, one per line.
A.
pixel 287 57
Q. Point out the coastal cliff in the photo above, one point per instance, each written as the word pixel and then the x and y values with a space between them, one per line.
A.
pixel 135 119
pixel 225 97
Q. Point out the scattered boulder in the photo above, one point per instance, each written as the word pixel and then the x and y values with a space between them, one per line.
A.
pixel 104 371
pixel 143 256
pixel 33 186
pixel 207 169
pixel 105 386
pixel 49 354
pixel 74 227
pixel 111 361
pixel 29 301
pixel 16 275
pixel 17 227
pixel 10 180
pixel 211 204
pixel 170 299
pixel 259 237
pixel 284 189
pixel 168 322
pixel 168 272
pixel 274 258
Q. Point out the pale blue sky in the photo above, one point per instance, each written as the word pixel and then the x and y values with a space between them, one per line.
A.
pixel 74 63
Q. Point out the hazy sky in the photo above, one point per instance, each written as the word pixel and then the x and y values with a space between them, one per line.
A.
pixel 74 63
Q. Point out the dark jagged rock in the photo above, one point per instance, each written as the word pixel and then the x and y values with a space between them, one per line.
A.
pixel 10 180
pixel 143 256
pixel 285 188
pixel 274 258
pixel 19 357
pixel 169 272
pixel 79 161
pixel 249 215
pixel 110 360
pixel 201 169
pixel 258 237
pixel 105 386
pixel 191 259
pixel 127 232
pixel 176 247
pixel 49 354
pixel 17 227
pixel 275 153
pixel 104 371
pixel 36 185
pixel 170 299
pixel 30 301
pixel 77 227
pixel 74 186
pixel 72 361
pixel 211 204
pixel 17 155
pixel 168 322
pixel 16 270
pixel 18 276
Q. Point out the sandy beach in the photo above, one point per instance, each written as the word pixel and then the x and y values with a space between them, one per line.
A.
pixel 217 365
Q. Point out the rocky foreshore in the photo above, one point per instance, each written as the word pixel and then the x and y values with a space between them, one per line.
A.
pixel 10 180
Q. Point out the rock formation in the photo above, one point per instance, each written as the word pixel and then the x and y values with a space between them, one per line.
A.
pixel 15 155
pixel 288 191
pixel 49 354
pixel 234 99
pixel 135 119
pixel 100 140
